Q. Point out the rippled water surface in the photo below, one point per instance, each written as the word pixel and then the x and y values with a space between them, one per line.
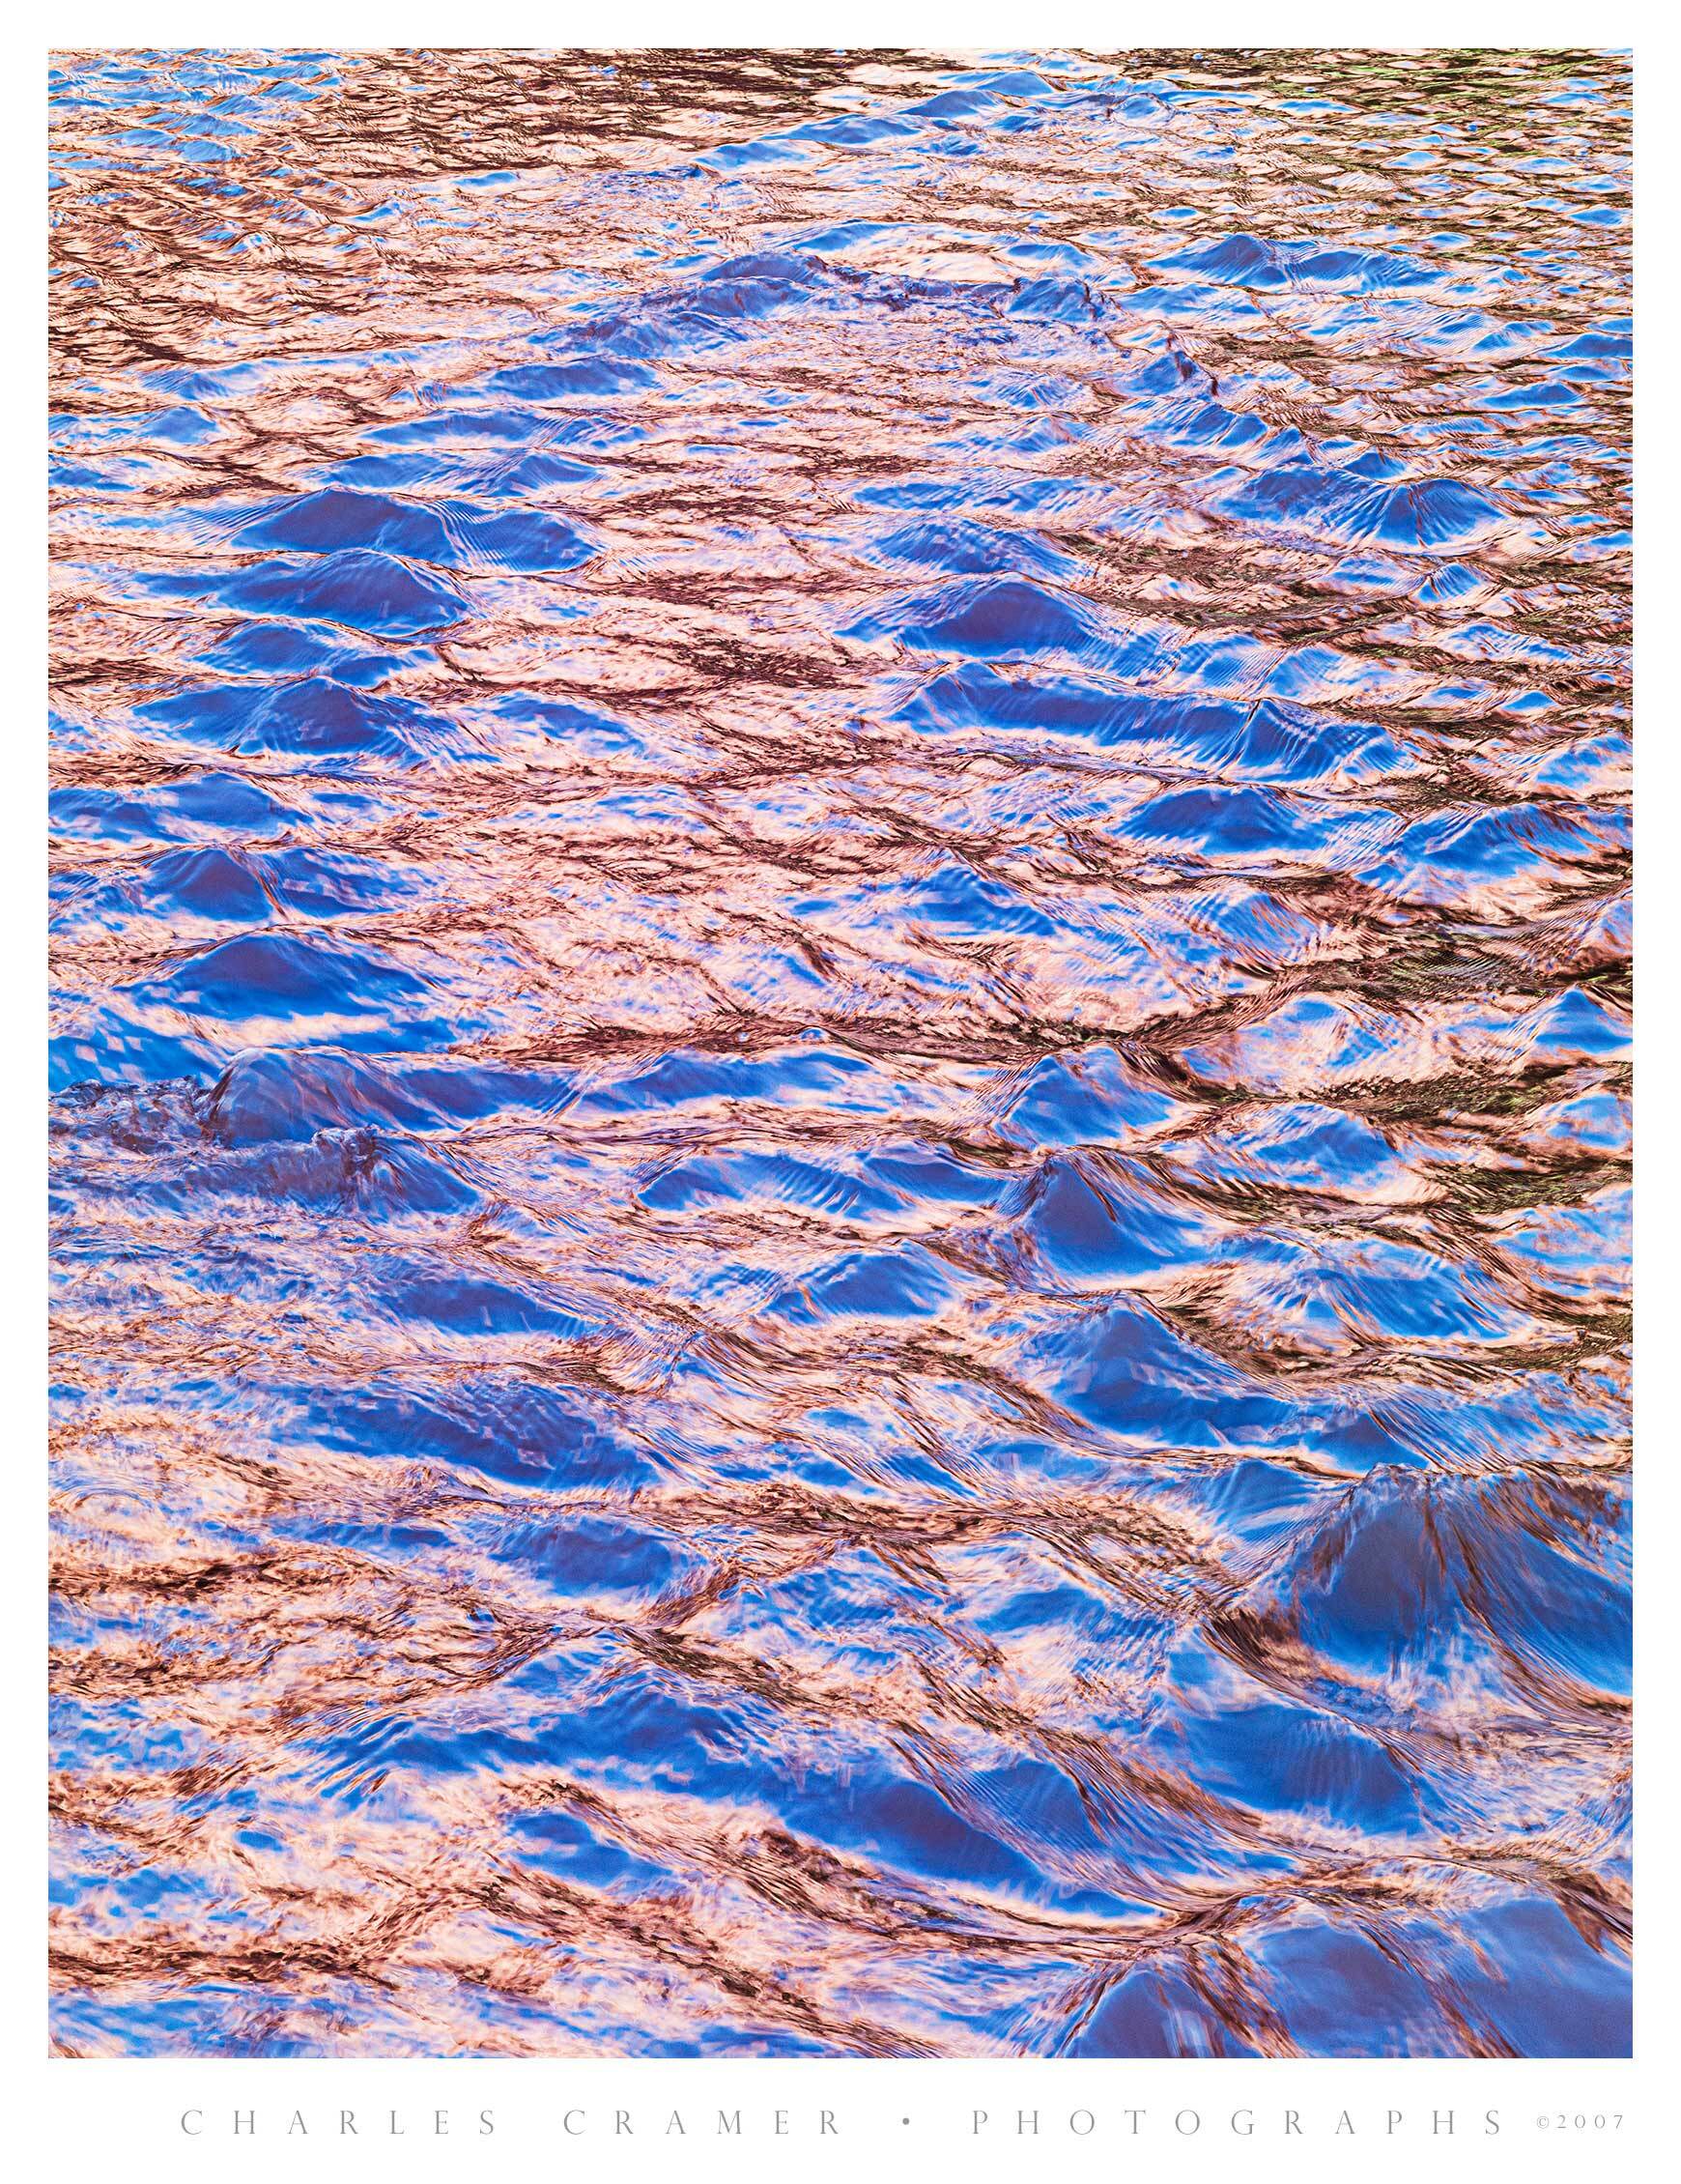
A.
pixel 840 1098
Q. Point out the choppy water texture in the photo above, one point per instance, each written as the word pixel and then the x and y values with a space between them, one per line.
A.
pixel 841 1115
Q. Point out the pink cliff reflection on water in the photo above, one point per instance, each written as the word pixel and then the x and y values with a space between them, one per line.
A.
pixel 841 1097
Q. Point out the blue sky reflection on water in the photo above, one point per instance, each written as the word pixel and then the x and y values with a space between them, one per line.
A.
pixel 839 1054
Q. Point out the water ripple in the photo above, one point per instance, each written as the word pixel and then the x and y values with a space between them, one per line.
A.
pixel 841 1007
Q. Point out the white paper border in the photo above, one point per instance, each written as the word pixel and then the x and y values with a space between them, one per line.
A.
pixel 556 2118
